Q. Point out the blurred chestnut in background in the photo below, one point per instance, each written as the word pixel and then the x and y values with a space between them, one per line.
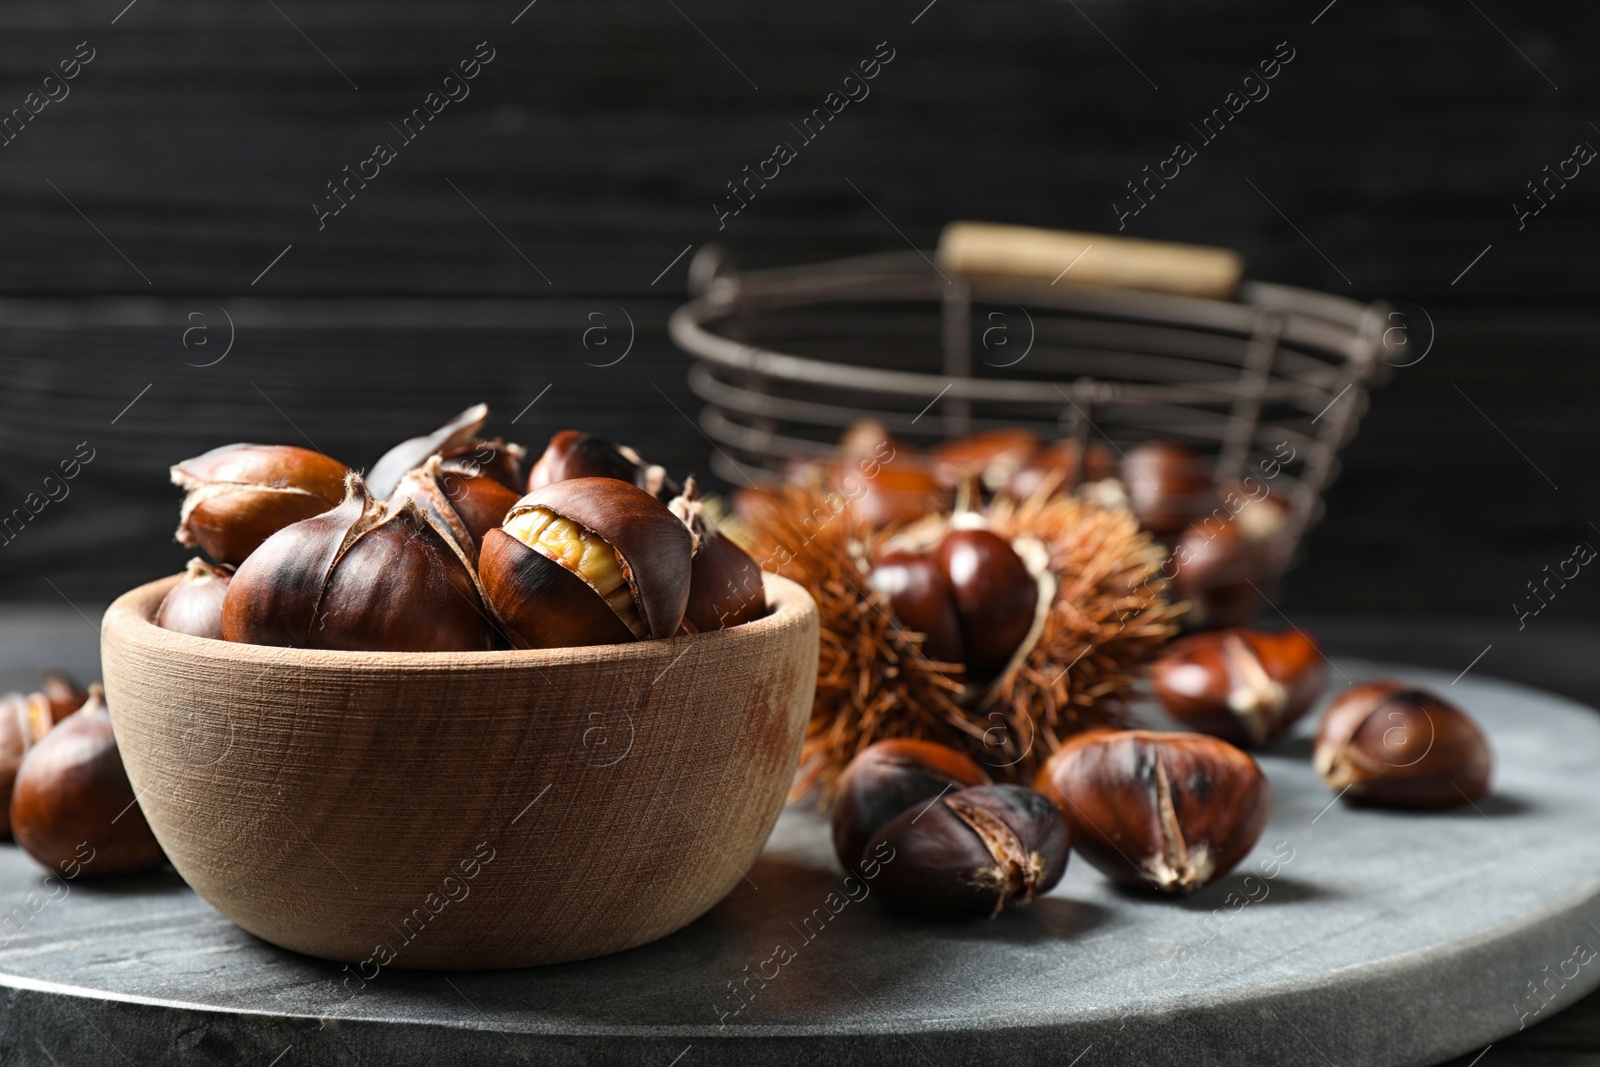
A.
pixel 1244 686
pixel 72 803
pixel 588 561
pixel 469 505
pixel 63 693
pixel 1215 568
pixel 364 576
pixel 1170 812
pixel 1168 485
pixel 888 778
pixel 239 495
pixel 24 720
pixel 922 601
pixel 725 584
pixel 884 492
pixel 459 447
pixel 990 457
pixel 1069 463
pixel 1391 743
pixel 194 605
pixel 575 454
pixel 970 853
pixel 995 595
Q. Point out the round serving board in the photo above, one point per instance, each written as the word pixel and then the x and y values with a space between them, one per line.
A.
pixel 1350 936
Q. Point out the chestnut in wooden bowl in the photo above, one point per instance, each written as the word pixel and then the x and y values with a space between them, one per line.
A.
pixel 462 810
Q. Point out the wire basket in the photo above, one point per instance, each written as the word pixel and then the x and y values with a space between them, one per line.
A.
pixel 939 346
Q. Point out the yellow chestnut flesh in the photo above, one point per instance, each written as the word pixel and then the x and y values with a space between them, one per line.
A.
pixel 584 553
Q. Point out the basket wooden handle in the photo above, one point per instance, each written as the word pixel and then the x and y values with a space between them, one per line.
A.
pixel 986 249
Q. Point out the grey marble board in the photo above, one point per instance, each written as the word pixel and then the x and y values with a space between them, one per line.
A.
pixel 1361 937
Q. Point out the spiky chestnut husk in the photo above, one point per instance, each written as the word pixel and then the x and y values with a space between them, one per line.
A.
pixel 1107 616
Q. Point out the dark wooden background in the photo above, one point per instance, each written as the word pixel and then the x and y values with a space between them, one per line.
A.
pixel 200 135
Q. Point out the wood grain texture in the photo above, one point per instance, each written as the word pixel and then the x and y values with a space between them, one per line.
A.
pixel 590 800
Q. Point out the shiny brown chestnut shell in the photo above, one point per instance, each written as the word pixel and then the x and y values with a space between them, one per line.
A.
pixel 1164 811
pixel 362 577
pixel 887 778
pixel 194 605
pixel 457 443
pixel 995 596
pixel 1168 485
pixel 652 547
pixel 884 492
pixel 970 853
pixel 990 457
pixel 575 454
pixel 922 601
pixel 1066 464
pixel 239 495
pixel 1216 569
pixel 1244 686
pixel 725 584
pixel 64 695
pixel 1392 743
pixel 24 720
pixel 72 808
pixel 469 505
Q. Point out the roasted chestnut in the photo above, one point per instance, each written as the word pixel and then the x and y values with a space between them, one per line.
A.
pixel 194 605
pixel 725 585
pixel 23 721
pixel 364 576
pixel 72 806
pixel 1064 465
pixel 588 561
pixel 1215 569
pixel 469 505
pixel 460 448
pixel 575 454
pixel 63 693
pixel 995 596
pixel 1244 686
pixel 990 457
pixel 1169 812
pixel 898 489
pixel 239 495
pixel 973 852
pixel 888 778
pixel 1168 485
pixel 1391 743
pixel 921 599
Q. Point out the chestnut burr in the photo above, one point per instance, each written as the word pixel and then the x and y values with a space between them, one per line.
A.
pixel 888 778
pixel 1169 812
pixel 1244 686
pixel 971 853
pixel 1391 743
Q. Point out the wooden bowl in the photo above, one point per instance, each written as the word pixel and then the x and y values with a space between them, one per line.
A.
pixel 462 810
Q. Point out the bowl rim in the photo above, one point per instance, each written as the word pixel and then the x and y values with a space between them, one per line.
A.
pixel 131 620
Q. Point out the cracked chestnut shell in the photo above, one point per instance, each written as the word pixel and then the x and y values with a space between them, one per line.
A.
pixel 921 599
pixel 1168 485
pixel 1164 811
pixel 1244 686
pixel 1391 743
pixel 469 505
pixel 725 584
pixel 194 605
pixel 575 454
pixel 588 561
pixel 887 778
pixel 973 852
pixel 63 694
pixel 72 793
pixel 366 577
pixel 995 596
pixel 240 495
pixel 459 447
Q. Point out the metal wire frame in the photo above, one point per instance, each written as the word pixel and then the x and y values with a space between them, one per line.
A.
pixel 891 337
